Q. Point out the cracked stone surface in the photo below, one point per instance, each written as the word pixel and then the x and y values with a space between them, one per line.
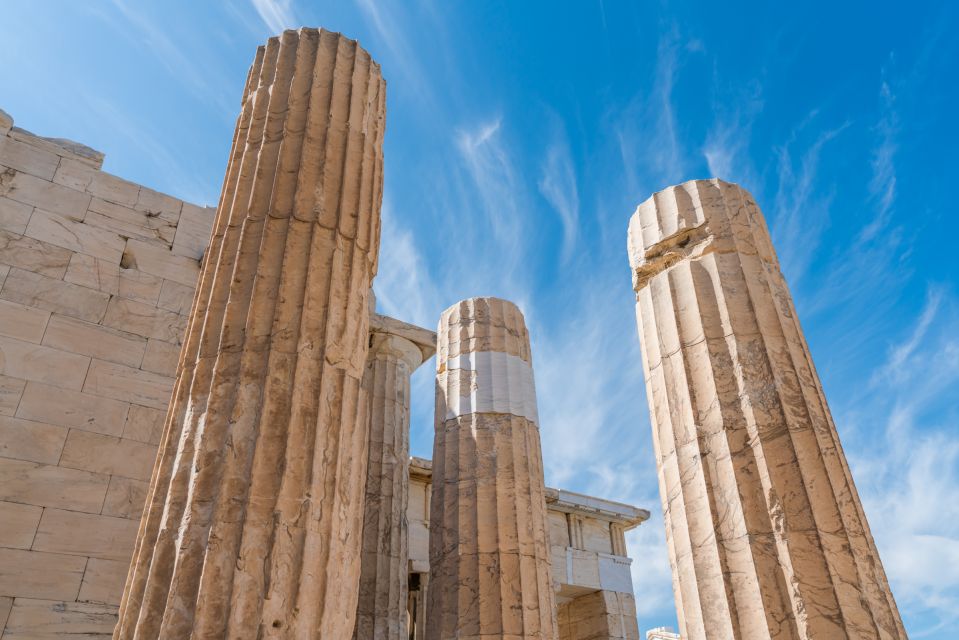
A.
pixel 490 573
pixel 766 533
pixel 253 517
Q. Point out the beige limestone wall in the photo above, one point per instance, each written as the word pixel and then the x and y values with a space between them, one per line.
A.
pixel 96 280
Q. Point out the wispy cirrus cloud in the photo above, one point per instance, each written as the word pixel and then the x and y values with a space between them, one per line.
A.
pixel 405 288
pixel 387 22
pixel 495 183
pixel 801 205
pixel 175 178
pixel 905 458
pixel 647 133
pixel 148 32
pixel 727 143
pixel 882 187
pixel 277 15
pixel 557 183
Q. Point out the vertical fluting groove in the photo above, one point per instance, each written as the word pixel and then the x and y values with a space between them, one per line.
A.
pixel 382 599
pixel 691 477
pixel 489 555
pixel 150 522
pixel 787 441
pixel 167 544
pixel 786 521
pixel 860 621
pixel 206 472
pixel 748 532
pixel 258 533
pixel 215 542
pixel 219 563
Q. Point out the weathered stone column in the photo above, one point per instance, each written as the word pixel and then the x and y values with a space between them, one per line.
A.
pixel 383 598
pixel 766 533
pixel 490 573
pixel 253 518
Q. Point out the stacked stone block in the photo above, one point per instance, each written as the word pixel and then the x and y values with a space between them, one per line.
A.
pixel 97 276
pixel 600 615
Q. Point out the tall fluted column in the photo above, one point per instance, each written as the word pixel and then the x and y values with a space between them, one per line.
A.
pixel 490 573
pixel 766 534
pixel 381 611
pixel 253 517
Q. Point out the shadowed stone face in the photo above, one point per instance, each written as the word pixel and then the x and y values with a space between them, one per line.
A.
pixel 381 611
pixel 766 534
pixel 490 572
pixel 254 514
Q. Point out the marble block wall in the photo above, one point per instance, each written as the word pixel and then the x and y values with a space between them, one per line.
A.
pixel 96 281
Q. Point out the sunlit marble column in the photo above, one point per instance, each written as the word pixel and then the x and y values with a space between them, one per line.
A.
pixel 253 518
pixel 766 533
pixel 383 599
pixel 490 574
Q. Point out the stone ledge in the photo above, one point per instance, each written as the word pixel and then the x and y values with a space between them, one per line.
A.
pixel 60 146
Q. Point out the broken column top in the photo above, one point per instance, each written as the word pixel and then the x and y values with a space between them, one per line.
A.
pixel 692 219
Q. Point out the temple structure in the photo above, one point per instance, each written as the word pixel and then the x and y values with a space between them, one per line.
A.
pixel 204 422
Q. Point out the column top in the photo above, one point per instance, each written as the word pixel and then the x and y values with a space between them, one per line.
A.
pixel 690 220
pixel 482 324
pixel 424 339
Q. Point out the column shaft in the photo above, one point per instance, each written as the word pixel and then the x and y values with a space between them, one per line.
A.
pixel 767 537
pixel 252 522
pixel 490 572
pixel 383 599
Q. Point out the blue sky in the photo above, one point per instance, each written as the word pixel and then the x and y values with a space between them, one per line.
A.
pixel 521 136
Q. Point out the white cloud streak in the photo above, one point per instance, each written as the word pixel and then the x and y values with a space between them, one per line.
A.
pixel 557 183
pixel 801 213
pixel 906 464
pixel 149 34
pixel 277 15
pixel 496 184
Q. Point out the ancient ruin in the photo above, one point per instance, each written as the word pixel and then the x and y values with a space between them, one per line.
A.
pixel 490 569
pixel 204 422
pixel 766 534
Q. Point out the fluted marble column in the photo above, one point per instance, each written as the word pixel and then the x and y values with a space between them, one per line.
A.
pixel 490 572
pixel 766 534
pixel 381 611
pixel 254 513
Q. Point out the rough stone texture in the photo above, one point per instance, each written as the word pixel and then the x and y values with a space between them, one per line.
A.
pixel 600 615
pixel 490 573
pixel 580 566
pixel 766 534
pixel 85 342
pixel 381 610
pixel 253 517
